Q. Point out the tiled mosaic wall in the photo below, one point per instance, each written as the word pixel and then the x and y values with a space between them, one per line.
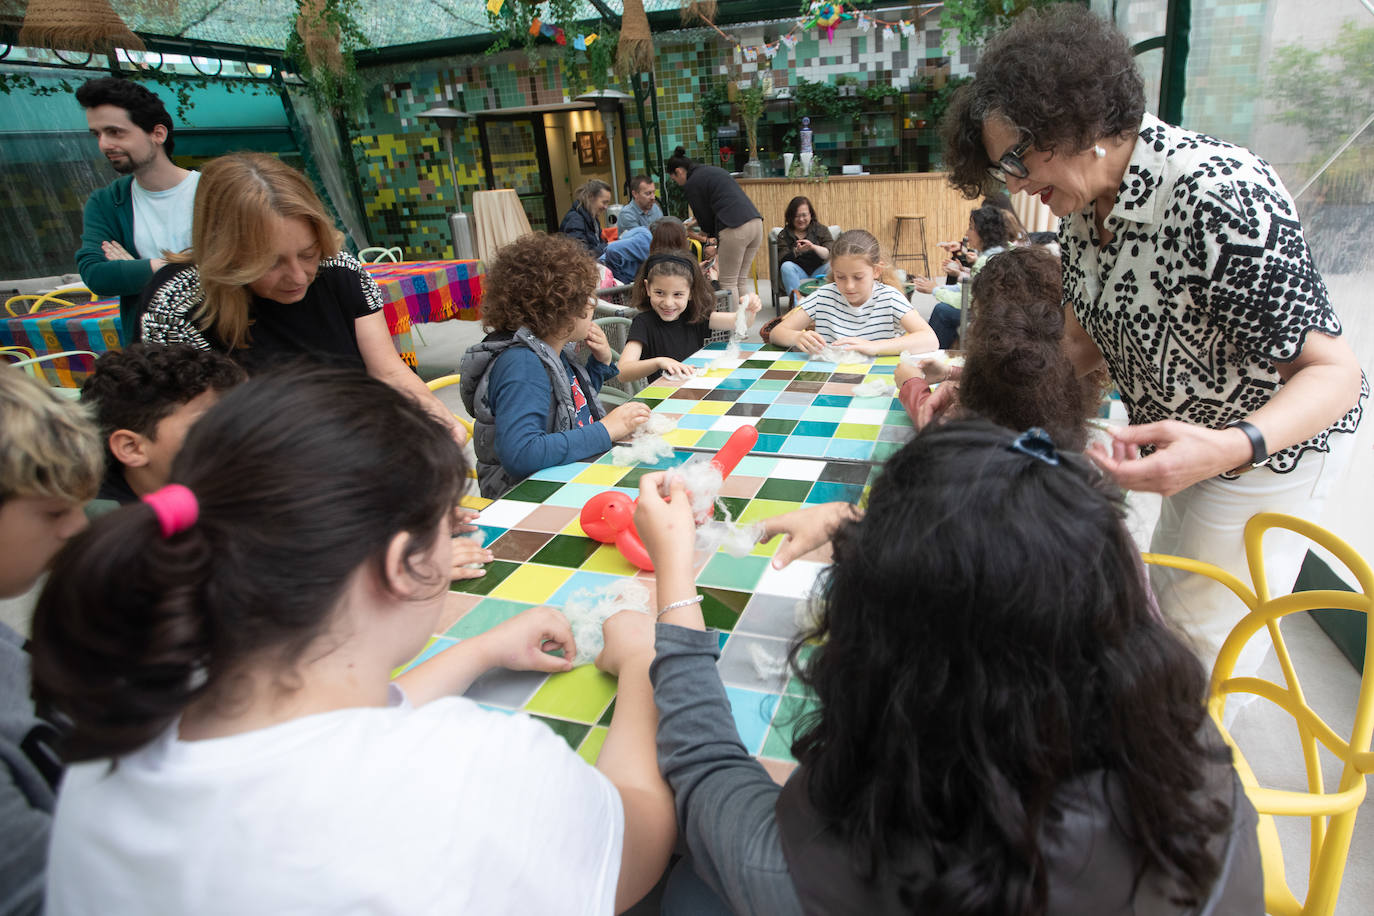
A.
pixel 406 179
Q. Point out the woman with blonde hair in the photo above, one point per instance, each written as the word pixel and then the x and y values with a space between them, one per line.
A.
pixel 266 280
pixel 583 221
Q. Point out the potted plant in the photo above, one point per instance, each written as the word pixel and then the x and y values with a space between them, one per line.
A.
pixel 750 103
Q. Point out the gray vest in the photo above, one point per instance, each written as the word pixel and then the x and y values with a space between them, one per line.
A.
pixel 492 478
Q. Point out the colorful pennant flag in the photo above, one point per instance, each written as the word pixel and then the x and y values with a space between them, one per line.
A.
pixel 494 6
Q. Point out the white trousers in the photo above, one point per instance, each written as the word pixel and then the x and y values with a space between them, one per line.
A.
pixel 1207 522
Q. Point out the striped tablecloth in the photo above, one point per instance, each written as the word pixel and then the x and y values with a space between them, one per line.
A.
pixel 416 292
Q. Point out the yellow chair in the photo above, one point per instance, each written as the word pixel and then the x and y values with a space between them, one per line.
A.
pixel 38 300
pixel 444 381
pixel 1332 812
pixel 28 364
pixel 19 353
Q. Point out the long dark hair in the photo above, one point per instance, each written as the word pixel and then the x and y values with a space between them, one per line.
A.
pixel 701 300
pixel 793 206
pixel 1016 372
pixel 990 226
pixel 985 636
pixel 300 478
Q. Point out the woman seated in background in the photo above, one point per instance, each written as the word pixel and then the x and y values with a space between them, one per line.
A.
pixel 803 247
pixel 266 281
pixel 988 234
pixel 583 221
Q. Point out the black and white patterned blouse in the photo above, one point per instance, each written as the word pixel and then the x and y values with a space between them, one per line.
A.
pixel 1206 284
pixel 320 326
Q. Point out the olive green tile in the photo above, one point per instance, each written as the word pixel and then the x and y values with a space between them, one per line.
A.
pixel 566 550
pixel 534 491
pixel 721 607
pixel 571 732
pixel 496 572
pixel 784 489
pixel 777 427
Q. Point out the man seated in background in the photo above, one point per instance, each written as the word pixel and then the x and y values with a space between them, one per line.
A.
pixel 144 400
pixel 128 224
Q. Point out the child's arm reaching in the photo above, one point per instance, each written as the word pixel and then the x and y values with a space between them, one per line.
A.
pixel 635 366
pixel 919 338
pixel 795 331
pixel 725 321
pixel 520 644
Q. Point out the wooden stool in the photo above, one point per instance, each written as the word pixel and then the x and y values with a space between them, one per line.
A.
pixel 919 255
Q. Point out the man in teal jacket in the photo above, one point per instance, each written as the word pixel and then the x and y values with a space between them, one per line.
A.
pixel 127 225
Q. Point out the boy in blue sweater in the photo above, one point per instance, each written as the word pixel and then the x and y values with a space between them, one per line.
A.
pixel 533 405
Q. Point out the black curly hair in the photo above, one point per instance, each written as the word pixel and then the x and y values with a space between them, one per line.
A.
pixel 1063 74
pixel 144 107
pixel 137 387
pixel 985 636
pixel 539 281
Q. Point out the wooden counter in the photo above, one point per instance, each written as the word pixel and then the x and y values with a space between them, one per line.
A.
pixel 869 202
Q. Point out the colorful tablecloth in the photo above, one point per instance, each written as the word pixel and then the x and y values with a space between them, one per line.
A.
pixel 416 292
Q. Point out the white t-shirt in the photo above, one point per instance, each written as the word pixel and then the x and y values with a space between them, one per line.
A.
pixel 880 318
pixel 162 219
pixel 447 808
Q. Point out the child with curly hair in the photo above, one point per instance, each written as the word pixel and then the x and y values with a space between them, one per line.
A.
pixel 1015 372
pixel 533 405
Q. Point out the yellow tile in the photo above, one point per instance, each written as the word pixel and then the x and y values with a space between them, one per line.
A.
pixel 607 475
pixel 789 364
pixel 608 559
pixel 532 583
pixel 886 360
pixel 719 408
pixel 591 745
pixel 574 528
pixel 767 550
pixel 718 373
pixel 756 511
pixel 474 502
pixel 685 437
pixel 854 369
pixel 656 391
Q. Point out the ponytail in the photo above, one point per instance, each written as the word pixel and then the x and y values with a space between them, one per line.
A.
pixel 679 160
pixel 120 637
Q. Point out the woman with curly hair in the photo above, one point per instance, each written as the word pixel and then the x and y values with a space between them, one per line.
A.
pixel 533 405
pixel 1187 276
pixel 989 232
pixel 266 281
pixel 1015 372
pixel 1001 725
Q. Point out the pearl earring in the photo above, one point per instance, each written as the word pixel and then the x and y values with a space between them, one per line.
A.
pixel 1099 152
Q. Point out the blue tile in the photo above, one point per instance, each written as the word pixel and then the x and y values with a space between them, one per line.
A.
pixel 750 374
pixel 489 533
pixel 833 400
pixel 806 446
pixel 578 581
pixel 849 448
pixel 574 495
pixel 696 421
pixel 829 492
pixel 562 473
pixel 785 412
pixel 770 444
pixel 735 384
pixel 753 711
pixel 813 428
pixel 755 466
pixel 882 370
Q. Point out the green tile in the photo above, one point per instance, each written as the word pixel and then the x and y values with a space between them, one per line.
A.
pixel 784 489
pixel 778 427
pixel 571 732
pixel 865 432
pixel 591 748
pixel 812 377
pixel 885 450
pixel 580 694
pixel 721 608
pixel 496 573
pixel 757 364
pixel 534 491
pixel 788 720
pixel 488 613
pixel 652 402
pixel 715 438
pixel 725 571
pixel 566 550
pixel 606 716
pixel 733 504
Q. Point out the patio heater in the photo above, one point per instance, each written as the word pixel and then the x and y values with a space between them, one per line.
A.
pixel 607 101
pixel 448 119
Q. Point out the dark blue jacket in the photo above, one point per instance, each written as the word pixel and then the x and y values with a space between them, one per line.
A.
pixel 581 225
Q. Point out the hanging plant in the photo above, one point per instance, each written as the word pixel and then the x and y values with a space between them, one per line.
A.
pixel 320 49
pixel 76 25
pixel 636 52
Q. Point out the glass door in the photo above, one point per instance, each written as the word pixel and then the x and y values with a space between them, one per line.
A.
pixel 516 155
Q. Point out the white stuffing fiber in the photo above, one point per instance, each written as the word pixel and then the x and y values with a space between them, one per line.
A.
pixel 874 389
pixel 833 354
pixel 646 445
pixel 588 609
pixel 703 483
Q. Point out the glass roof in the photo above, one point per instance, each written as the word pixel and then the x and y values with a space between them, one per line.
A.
pixel 268 23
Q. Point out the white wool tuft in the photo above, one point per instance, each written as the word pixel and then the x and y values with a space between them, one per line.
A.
pixel 874 389
pixel 588 609
pixel 646 445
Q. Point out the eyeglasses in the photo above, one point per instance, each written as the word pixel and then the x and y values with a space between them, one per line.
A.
pixel 1010 163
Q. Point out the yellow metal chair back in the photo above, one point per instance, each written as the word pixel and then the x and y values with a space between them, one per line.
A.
pixel 38 300
pixel 1332 811
pixel 444 381
pixel 376 255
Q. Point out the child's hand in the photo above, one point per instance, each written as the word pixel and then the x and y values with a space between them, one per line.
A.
pixel 675 369
pixel 924 285
pixel 904 373
pixel 628 634
pixel 809 342
pixel 465 552
pixel 462 520
pixel 523 642
pixel 805 529
pixel 599 345
pixel 665 524
pixel 951 247
pixel 859 345
pixel 752 304
pixel 941 400
pixel 625 419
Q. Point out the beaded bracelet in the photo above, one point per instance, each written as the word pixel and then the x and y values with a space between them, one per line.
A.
pixel 695 599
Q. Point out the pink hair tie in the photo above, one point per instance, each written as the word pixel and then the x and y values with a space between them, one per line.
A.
pixel 175 507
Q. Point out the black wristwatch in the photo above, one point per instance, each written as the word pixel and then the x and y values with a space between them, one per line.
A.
pixel 1259 452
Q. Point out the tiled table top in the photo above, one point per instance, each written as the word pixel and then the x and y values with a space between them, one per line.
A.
pixel 542 557
pixel 803 408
